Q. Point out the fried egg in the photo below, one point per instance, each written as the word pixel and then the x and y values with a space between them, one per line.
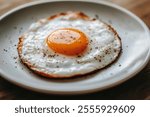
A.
pixel 68 44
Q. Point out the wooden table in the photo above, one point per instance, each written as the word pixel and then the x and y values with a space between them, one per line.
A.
pixel 136 88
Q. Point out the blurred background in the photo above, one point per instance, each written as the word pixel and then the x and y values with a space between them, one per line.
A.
pixel 139 7
pixel 135 88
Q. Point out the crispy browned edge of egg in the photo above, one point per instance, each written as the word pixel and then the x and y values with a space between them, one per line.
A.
pixel 76 15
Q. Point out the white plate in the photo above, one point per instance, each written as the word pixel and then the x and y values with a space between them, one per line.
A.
pixel 133 32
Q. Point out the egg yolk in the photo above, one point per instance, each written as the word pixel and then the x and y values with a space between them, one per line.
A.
pixel 67 41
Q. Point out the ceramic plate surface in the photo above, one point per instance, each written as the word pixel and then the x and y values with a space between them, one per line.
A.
pixel 133 32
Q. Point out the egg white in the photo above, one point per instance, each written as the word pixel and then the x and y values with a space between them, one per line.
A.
pixel 103 48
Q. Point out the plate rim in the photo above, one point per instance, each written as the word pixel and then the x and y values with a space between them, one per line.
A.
pixel 107 85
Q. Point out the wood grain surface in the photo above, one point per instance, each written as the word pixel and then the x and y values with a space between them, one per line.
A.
pixel 136 88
